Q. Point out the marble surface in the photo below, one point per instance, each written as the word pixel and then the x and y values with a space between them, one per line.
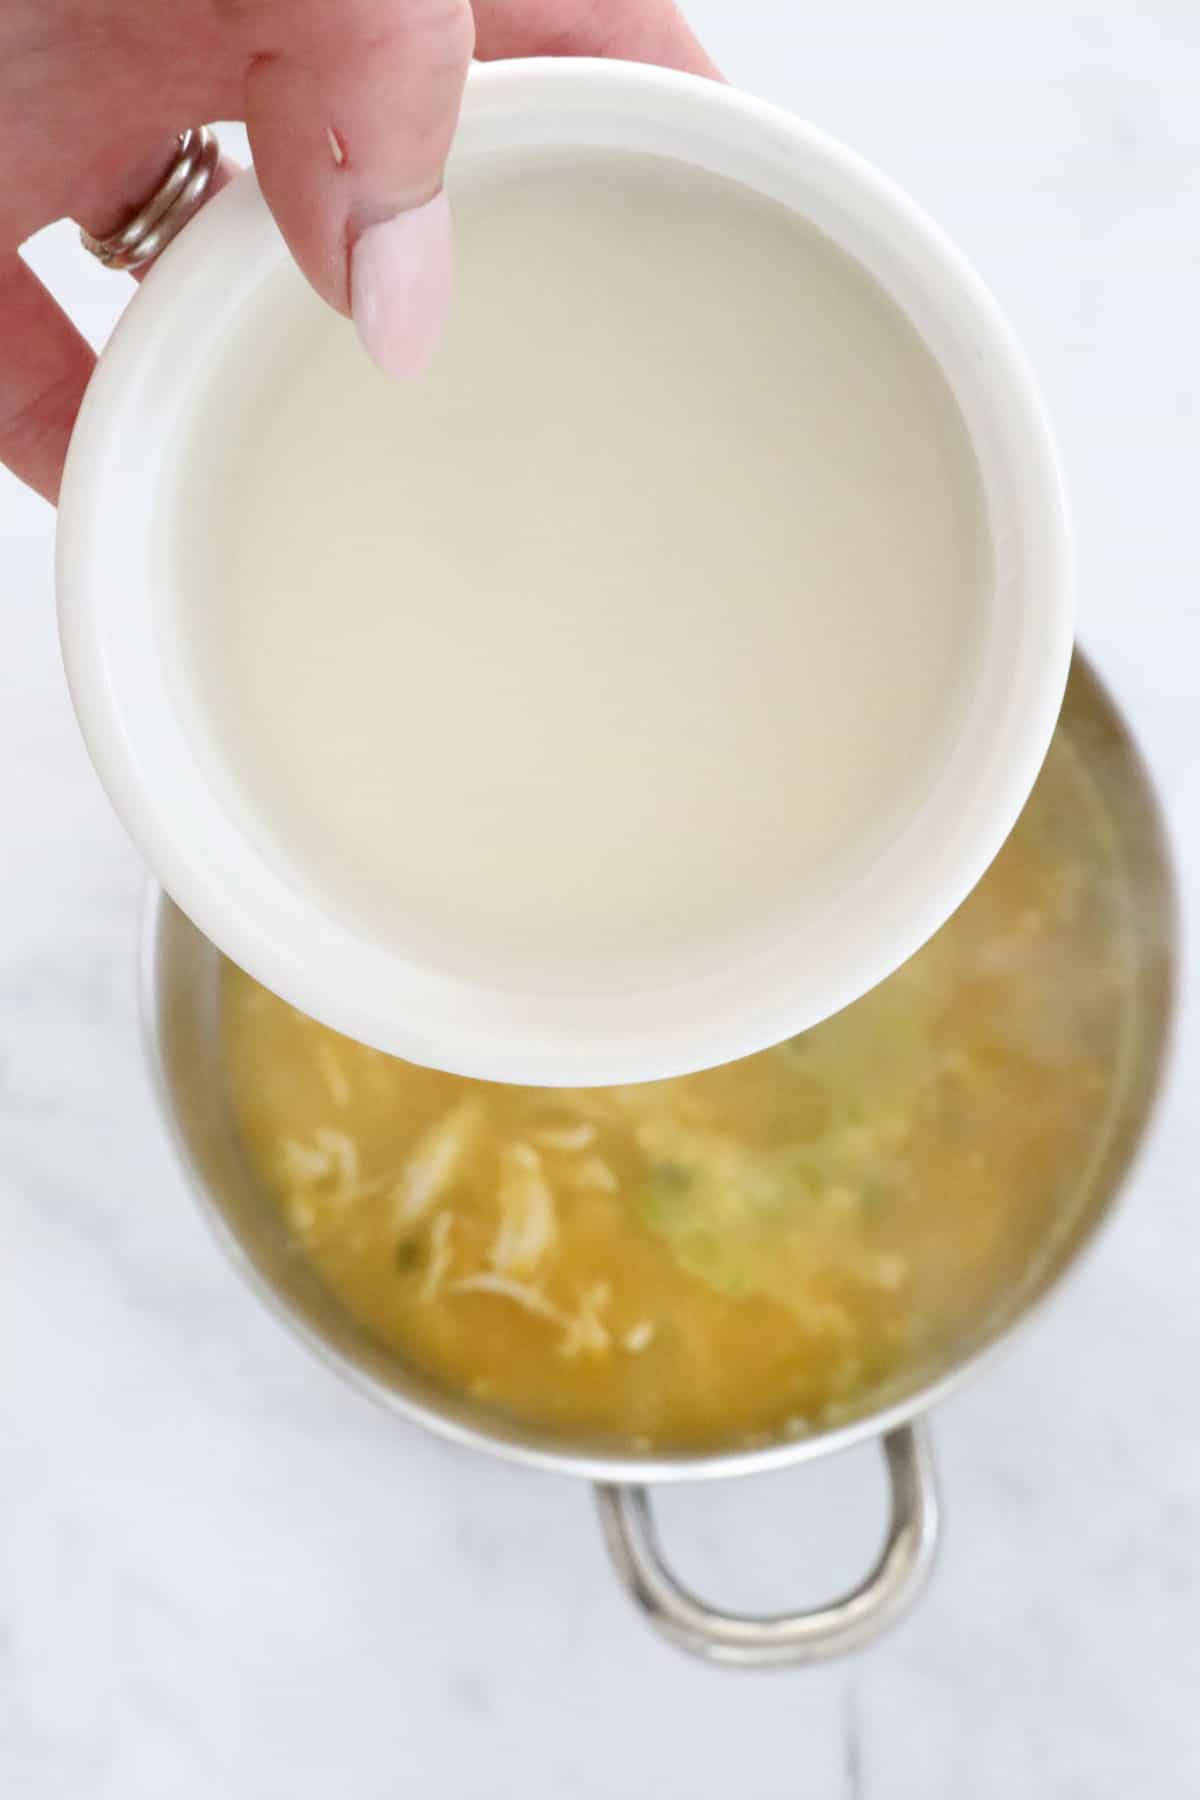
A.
pixel 222 1574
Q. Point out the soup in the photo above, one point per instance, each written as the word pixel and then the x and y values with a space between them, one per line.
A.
pixel 756 1251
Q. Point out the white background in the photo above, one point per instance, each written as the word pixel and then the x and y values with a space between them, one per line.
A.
pixel 221 1574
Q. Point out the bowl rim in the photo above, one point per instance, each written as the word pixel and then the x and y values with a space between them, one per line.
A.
pixel 246 903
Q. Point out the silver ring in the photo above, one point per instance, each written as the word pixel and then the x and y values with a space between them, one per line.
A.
pixel 167 210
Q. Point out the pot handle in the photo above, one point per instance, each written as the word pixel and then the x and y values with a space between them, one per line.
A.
pixel 786 1639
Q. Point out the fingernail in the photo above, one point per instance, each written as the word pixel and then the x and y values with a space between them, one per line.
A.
pixel 400 287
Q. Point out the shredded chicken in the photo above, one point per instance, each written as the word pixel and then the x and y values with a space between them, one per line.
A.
pixel 505 1288
pixel 331 1159
pixel 302 1213
pixel 528 1222
pixel 441 1255
pixel 593 1175
pixel 333 1074
pixel 583 1331
pixel 586 1333
pixel 434 1163
pixel 639 1337
pixel 303 1165
pixel 567 1138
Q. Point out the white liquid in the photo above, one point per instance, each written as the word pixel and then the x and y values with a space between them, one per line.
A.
pixel 633 626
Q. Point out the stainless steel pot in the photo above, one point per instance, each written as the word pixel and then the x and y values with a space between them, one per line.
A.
pixel 180 976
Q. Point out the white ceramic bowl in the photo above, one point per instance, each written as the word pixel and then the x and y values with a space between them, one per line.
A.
pixel 125 503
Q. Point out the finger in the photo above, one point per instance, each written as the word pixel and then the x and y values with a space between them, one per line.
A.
pixel 649 31
pixel 45 367
pixel 45 364
pixel 351 110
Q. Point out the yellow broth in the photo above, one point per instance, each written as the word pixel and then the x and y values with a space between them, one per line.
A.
pixel 754 1251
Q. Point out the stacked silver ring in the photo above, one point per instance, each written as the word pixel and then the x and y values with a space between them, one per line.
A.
pixel 168 209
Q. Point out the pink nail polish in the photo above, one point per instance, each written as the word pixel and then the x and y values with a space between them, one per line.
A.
pixel 400 287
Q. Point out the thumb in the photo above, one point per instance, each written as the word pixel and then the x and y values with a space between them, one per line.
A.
pixel 351 110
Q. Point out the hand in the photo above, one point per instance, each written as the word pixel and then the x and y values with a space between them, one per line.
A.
pixel 351 106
